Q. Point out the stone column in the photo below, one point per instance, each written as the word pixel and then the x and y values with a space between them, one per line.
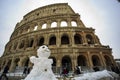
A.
pixel 84 38
pixel 102 59
pixel 89 59
pixel 13 65
pixel 58 23
pixel 39 26
pixel 74 61
pixel 48 24
pixel 69 22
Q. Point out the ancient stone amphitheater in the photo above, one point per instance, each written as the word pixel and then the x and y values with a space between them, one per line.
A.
pixel 58 26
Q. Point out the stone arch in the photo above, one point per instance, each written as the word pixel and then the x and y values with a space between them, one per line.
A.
pixel 28 29
pixel 41 41
pixel 74 23
pixel 35 27
pixel 31 41
pixel 26 63
pixel 15 45
pixel 44 26
pixel 90 39
pixel 63 24
pixel 81 60
pixel 53 24
pixel 66 62
pixel 16 62
pixel 78 39
pixel 65 39
pixel 96 60
pixel 9 62
pixel 22 43
pixel 52 40
pixel 108 60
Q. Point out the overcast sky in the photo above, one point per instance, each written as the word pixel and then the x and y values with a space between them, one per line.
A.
pixel 102 15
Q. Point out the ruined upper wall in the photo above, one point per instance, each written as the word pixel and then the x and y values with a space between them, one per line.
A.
pixel 46 11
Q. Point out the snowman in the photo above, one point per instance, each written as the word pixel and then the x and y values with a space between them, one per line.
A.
pixel 42 65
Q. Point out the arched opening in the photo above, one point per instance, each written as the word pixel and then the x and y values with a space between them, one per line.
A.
pixel 9 63
pixel 78 39
pixel 63 24
pixel 26 62
pixel 41 41
pixel 15 46
pixel 81 60
pixel 108 60
pixel 44 26
pixel 52 40
pixel 31 42
pixel 73 23
pixel 66 63
pixel 54 24
pixel 16 62
pixel 89 39
pixel 96 60
pixel 35 28
pixel 21 44
pixel 64 39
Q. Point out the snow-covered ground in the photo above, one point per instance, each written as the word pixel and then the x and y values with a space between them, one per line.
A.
pixel 97 75
pixel 86 76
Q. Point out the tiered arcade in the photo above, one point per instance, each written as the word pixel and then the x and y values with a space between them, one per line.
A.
pixel 58 26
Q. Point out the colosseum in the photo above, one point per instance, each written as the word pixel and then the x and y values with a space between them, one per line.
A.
pixel 61 29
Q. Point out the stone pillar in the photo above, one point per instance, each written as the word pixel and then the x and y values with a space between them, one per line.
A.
pixel 69 23
pixel 35 42
pixel 39 26
pixel 13 65
pixel 84 38
pixel 74 62
pixel 89 59
pixel 102 59
pixel 21 61
pixel 58 23
pixel 48 24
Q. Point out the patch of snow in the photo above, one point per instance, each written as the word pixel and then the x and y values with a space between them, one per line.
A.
pixel 97 75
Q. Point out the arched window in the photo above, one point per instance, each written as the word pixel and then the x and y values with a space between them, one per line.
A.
pixel 108 60
pixel 64 39
pixel 54 24
pixel 26 62
pixel 16 61
pixel 9 62
pixel 78 39
pixel 81 60
pixel 31 42
pixel 41 41
pixel 89 39
pixel 66 62
pixel 22 44
pixel 44 26
pixel 52 41
pixel 96 60
pixel 63 24
pixel 15 46
pixel 73 23
pixel 35 28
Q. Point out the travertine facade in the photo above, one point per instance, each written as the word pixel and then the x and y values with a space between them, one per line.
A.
pixel 58 26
